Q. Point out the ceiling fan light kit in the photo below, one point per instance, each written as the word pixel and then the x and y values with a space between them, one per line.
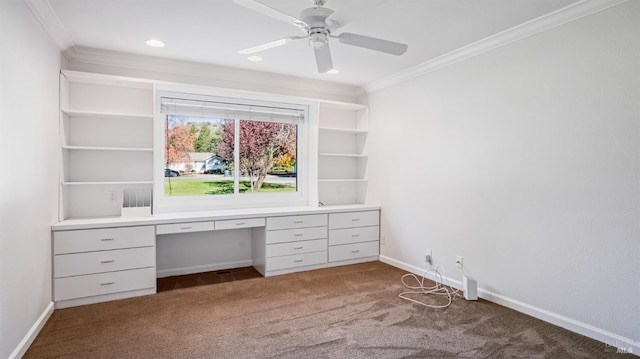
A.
pixel 316 24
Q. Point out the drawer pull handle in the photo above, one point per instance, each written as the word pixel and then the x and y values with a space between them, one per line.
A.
pixel 108 283
pixel 298 235
pixel 355 219
pixel 106 239
pixel 298 261
pixel 298 222
pixel 186 227
pixel 298 247
pixel 109 261
pixel 355 251
pixel 355 235
pixel 240 223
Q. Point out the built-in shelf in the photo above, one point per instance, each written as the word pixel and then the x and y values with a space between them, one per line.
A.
pixel 102 148
pixel 348 106
pixel 105 115
pixel 107 80
pixel 343 130
pixel 106 142
pixel 342 153
pixel 343 180
pixel 102 183
pixel 356 155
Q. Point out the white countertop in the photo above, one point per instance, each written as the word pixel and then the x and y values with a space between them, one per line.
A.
pixel 200 216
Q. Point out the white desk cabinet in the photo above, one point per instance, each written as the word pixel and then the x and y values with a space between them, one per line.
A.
pixel 97 260
pixel 294 243
pixel 354 237
pixel 95 265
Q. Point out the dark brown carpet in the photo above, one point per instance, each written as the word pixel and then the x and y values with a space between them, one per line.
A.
pixel 342 312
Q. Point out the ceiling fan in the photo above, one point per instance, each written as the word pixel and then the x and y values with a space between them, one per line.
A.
pixel 319 28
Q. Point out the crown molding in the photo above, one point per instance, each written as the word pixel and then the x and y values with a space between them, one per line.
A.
pixel 44 13
pixel 543 23
pixel 86 59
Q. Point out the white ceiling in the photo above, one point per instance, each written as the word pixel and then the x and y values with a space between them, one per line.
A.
pixel 212 31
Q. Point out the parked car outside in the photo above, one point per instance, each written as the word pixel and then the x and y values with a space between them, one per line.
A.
pixel 171 173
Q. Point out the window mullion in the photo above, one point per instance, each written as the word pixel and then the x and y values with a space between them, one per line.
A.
pixel 236 156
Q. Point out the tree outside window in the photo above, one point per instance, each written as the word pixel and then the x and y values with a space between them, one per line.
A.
pixel 266 156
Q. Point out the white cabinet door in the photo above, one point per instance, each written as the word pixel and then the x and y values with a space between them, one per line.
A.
pixel 353 251
pixel 87 240
pixel 294 261
pixel 353 235
pixel 353 219
pixel 104 283
pixel 185 227
pixel 291 235
pixel 240 223
pixel 66 265
pixel 284 249
pixel 288 222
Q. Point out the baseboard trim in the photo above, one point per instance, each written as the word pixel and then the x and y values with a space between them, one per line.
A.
pixel 25 343
pixel 620 343
pixel 202 268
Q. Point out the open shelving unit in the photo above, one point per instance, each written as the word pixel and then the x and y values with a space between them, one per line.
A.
pixel 342 153
pixel 106 142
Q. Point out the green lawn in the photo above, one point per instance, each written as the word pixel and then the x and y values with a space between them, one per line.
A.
pixel 207 187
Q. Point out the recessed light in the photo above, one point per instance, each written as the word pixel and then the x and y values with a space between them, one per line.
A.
pixel 333 71
pixel 254 58
pixel 155 43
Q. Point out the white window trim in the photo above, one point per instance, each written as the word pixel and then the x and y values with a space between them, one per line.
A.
pixel 307 133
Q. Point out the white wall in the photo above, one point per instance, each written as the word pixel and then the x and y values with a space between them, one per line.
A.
pixel 29 66
pixel 525 160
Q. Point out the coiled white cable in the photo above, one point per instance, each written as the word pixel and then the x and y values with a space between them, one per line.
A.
pixel 438 289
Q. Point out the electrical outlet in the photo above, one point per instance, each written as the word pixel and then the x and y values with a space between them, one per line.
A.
pixel 459 261
pixel 427 256
pixel 383 239
pixel 113 196
pixel 339 190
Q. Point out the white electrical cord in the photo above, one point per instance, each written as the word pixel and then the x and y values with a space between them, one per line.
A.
pixel 438 289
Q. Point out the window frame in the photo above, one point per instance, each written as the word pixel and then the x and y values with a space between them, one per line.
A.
pixel 305 161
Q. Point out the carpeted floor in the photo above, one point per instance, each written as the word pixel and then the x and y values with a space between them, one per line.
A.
pixel 342 312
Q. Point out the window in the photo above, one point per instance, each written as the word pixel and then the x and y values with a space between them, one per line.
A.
pixel 230 152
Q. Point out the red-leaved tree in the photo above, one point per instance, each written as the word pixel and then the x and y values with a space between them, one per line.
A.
pixel 179 141
pixel 261 144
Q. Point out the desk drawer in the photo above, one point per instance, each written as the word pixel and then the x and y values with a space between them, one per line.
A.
pixel 67 265
pixel 353 219
pixel 240 223
pixel 287 222
pixel 353 235
pixel 284 249
pixel 294 235
pixel 297 260
pixel 104 283
pixel 103 239
pixel 353 251
pixel 185 227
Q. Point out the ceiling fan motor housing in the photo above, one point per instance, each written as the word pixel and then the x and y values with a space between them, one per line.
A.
pixel 315 18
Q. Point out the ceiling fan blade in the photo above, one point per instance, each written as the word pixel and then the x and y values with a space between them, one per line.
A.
pixel 372 43
pixel 271 12
pixel 323 58
pixel 270 45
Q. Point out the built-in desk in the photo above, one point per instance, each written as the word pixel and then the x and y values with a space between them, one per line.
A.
pixel 103 259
